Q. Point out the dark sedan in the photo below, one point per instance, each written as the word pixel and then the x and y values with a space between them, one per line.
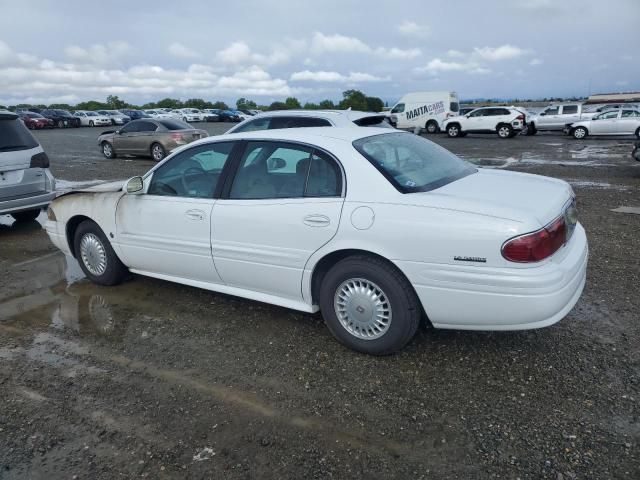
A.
pixel 35 121
pixel 61 118
pixel 135 114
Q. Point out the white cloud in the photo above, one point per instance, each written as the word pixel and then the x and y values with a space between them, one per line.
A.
pixel 329 77
pixel 321 43
pixel 456 54
pixel 535 62
pixel 102 54
pixel 413 29
pixel 179 50
pixel 503 52
pixel 254 81
pixel 239 53
pixel 398 53
pixel 438 65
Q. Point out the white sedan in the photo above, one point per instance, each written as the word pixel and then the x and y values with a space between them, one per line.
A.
pixel 92 119
pixel 614 122
pixel 377 229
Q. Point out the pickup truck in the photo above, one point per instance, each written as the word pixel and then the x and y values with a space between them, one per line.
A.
pixel 557 117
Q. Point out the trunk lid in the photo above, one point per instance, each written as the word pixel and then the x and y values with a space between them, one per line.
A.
pixel 521 197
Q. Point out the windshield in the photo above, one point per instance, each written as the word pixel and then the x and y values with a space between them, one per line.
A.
pixel 92 114
pixel 412 163
pixel 62 113
pixel 34 115
pixel 174 124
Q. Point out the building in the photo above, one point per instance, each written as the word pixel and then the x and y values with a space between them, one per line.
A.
pixel 614 98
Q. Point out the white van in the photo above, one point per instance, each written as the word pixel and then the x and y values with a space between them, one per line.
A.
pixel 425 110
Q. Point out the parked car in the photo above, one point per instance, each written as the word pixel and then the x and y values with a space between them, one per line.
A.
pixel 557 117
pixel 613 122
pixel 35 121
pixel 311 118
pixel 26 184
pixel 135 114
pixel 149 137
pixel 159 114
pixel 191 115
pixel 61 118
pixel 506 122
pixel 211 115
pixel 241 115
pixel 227 115
pixel 487 249
pixel 91 119
pixel 249 113
pixel 116 117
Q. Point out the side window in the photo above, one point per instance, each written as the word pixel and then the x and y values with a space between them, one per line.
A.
pixel 399 108
pixel 551 111
pixel 569 109
pixel 193 173
pixel 130 127
pixel 325 178
pixel 147 127
pixel 610 115
pixel 253 125
pixel 271 170
pixel 478 113
pixel 629 113
pixel 301 122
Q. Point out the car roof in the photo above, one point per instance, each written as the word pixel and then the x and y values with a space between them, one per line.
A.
pixel 306 135
pixel 350 115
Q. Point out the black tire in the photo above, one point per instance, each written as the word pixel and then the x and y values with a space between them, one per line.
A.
pixel 107 150
pixel 531 129
pixel 504 131
pixel 60 124
pixel 432 127
pixel 113 122
pixel 453 130
pixel 91 124
pixel 114 271
pixel 26 216
pixel 157 152
pixel 638 133
pixel 579 133
pixel 400 296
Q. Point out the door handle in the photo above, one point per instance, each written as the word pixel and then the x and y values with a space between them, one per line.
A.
pixel 195 214
pixel 316 220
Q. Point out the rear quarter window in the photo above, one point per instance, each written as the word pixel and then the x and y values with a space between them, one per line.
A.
pixel 15 136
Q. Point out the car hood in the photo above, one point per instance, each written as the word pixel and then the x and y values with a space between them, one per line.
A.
pixel 105 187
pixel 520 197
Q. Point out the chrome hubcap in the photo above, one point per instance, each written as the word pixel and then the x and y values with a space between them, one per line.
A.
pixel 453 131
pixel 579 133
pixel 157 153
pixel 107 149
pixel 362 308
pixel 504 131
pixel 93 254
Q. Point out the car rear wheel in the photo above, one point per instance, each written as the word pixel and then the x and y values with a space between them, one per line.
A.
pixel 107 150
pixel 505 131
pixel 531 129
pixel 369 306
pixel 60 124
pixel 431 127
pixel 91 124
pixel 157 152
pixel 579 133
pixel 638 133
pixel 453 130
pixel 26 216
pixel 96 256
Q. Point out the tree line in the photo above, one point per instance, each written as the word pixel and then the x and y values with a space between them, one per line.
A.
pixel 354 99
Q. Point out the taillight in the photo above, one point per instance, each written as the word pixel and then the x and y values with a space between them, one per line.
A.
pixel 39 160
pixel 520 117
pixel 177 137
pixel 536 246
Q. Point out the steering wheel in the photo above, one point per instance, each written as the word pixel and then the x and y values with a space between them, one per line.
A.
pixel 190 172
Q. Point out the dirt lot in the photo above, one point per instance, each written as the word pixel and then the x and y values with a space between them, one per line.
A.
pixel 152 379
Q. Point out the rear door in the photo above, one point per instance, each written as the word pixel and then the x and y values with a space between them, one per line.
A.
pixel 569 114
pixel 629 121
pixel 282 205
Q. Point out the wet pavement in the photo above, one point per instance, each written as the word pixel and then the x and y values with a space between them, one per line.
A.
pixel 158 380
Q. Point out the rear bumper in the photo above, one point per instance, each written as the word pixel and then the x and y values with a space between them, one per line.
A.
pixel 479 298
pixel 31 202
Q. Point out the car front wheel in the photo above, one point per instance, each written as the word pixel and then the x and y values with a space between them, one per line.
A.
pixel 505 131
pixel 579 133
pixel 96 256
pixel 369 306
pixel 453 131
pixel 107 150
pixel 157 152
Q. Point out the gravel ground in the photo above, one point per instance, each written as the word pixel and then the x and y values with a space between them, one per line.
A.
pixel 152 379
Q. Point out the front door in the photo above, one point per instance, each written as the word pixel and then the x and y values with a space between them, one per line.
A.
pixel 284 204
pixel 605 123
pixel 167 230
pixel 134 138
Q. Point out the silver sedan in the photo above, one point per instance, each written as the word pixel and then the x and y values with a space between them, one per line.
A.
pixel 614 122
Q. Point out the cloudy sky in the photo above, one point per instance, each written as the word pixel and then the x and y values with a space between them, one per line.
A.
pixel 69 51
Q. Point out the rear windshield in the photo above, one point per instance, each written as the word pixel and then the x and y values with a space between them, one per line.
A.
pixel 174 124
pixel 412 163
pixel 454 106
pixel 15 136
pixel 373 121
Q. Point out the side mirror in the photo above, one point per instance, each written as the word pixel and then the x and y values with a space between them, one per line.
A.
pixel 134 186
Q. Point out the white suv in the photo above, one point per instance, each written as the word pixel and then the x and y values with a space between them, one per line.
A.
pixel 26 184
pixel 505 121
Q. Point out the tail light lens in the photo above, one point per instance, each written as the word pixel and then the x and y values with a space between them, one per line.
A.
pixel 177 137
pixel 520 117
pixel 39 160
pixel 538 245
